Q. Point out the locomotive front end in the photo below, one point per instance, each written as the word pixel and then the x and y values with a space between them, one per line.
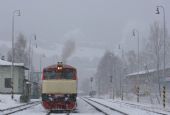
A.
pixel 59 87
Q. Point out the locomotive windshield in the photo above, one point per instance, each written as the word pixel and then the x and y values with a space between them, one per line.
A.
pixel 64 74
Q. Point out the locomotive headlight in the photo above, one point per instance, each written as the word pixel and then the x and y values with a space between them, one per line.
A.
pixel 59 68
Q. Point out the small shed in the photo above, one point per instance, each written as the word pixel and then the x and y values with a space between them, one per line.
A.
pixel 6 77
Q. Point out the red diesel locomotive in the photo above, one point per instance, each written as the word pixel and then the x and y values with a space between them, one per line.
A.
pixel 59 87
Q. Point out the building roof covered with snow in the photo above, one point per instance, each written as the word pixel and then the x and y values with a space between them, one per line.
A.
pixel 144 72
pixel 141 72
pixel 7 63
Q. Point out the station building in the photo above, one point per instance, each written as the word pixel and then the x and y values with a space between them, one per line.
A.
pixel 148 80
pixel 18 78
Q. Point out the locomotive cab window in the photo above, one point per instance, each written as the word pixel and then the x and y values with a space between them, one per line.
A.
pixel 50 74
pixel 68 74
pixel 64 74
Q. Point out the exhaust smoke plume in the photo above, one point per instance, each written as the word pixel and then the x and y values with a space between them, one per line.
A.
pixel 68 49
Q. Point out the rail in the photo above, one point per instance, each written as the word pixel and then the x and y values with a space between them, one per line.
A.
pixel 15 109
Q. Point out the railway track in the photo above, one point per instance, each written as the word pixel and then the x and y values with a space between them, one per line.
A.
pixel 103 108
pixel 146 108
pixel 19 108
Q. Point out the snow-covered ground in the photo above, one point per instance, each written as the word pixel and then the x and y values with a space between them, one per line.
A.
pixel 128 109
pixel 6 101
pixel 146 101
pixel 82 109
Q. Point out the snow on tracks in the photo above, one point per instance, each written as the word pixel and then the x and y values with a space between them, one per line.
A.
pixel 146 108
pixel 103 108
pixel 126 108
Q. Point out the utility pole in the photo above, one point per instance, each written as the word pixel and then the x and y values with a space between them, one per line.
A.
pixel 31 56
pixel 138 83
pixel 91 80
pixel 121 87
pixel 30 63
pixel 111 86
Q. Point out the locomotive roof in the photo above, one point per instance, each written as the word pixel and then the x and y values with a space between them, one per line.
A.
pixel 64 66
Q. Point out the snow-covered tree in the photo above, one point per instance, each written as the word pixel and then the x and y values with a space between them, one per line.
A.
pixel 20 50
pixel 108 74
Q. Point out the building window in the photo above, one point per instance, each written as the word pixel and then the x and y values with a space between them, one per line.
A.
pixel 7 82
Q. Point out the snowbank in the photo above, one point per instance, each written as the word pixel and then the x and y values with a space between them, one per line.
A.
pixel 6 101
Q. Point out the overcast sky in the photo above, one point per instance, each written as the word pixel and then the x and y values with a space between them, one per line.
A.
pixel 92 23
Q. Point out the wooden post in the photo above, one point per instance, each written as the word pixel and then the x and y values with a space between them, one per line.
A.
pixel 137 93
pixel 164 93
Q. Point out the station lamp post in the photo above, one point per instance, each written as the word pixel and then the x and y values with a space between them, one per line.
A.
pixel 158 12
pixel 15 13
